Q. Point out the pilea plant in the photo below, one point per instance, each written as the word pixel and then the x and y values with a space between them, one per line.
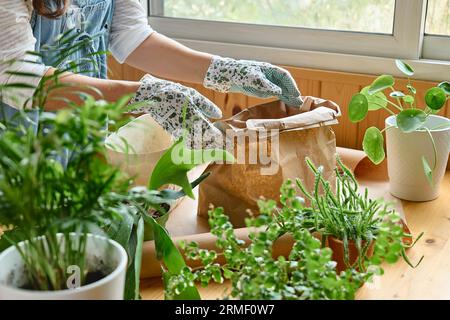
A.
pixel 410 114
pixel 343 212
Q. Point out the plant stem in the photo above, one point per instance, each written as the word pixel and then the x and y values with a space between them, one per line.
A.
pixel 396 106
pixel 386 108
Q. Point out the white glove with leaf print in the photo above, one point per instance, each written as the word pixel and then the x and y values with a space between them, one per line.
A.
pixel 166 101
pixel 259 79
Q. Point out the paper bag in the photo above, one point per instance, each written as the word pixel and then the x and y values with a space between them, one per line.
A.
pixel 284 136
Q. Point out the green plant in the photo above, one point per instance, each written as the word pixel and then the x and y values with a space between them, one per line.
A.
pixel 41 197
pixel 346 214
pixel 129 232
pixel 86 194
pixel 308 271
pixel 409 116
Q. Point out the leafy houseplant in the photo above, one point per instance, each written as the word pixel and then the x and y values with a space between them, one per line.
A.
pixel 308 271
pixel 54 192
pixel 417 139
pixel 144 201
pixel 360 231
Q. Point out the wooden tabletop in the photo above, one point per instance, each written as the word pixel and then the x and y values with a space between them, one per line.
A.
pixel 431 280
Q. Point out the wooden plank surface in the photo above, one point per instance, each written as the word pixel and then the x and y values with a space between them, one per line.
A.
pixel 430 280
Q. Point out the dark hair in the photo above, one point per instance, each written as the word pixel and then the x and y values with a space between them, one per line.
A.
pixel 41 7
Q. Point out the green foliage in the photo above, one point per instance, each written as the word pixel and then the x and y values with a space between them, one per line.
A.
pixel 428 171
pixel 445 86
pixel 346 214
pixel 376 101
pixel 358 108
pixel 409 118
pixel 173 261
pixel 435 98
pixel 178 160
pixel 40 197
pixel 404 67
pixel 381 83
pixel 308 271
pixel 373 145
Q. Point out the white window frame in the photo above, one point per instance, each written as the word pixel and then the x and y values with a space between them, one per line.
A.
pixel 436 48
pixel 316 48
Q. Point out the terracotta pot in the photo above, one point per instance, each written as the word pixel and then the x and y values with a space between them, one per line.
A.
pixel 337 246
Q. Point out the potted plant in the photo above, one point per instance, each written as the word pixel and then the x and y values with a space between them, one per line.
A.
pixel 417 139
pixel 350 223
pixel 55 208
pixel 58 194
pixel 308 271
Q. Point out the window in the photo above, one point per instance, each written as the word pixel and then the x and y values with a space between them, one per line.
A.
pixel 348 15
pixel 437 39
pixel 438 17
pixel 339 33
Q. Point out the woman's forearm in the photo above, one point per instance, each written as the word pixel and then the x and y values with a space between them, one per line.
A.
pixel 167 58
pixel 109 90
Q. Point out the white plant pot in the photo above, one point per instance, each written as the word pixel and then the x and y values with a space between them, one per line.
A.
pixel 137 147
pixel 407 179
pixel 102 255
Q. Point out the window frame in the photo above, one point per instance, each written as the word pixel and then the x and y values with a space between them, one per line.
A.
pixel 436 47
pixel 306 47
pixel 402 43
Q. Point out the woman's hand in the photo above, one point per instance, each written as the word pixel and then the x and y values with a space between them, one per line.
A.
pixel 253 78
pixel 166 100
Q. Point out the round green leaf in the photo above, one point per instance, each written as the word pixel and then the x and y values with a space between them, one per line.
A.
pixel 445 86
pixel 404 67
pixel 381 83
pixel 373 145
pixel 408 99
pixel 435 98
pixel 397 94
pixel 358 108
pixel 376 101
pixel 411 119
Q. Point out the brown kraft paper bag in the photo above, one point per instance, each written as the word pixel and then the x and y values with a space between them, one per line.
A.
pixel 260 169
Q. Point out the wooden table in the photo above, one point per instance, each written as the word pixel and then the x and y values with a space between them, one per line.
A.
pixel 431 280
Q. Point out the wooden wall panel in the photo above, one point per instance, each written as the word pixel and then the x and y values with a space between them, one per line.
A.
pixel 336 86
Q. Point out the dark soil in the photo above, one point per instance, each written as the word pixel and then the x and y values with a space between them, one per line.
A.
pixel 93 277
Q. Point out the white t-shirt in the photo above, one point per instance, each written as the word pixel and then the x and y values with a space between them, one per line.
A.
pixel 128 30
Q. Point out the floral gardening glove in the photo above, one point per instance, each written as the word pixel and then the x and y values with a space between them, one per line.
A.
pixel 166 100
pixel 253 78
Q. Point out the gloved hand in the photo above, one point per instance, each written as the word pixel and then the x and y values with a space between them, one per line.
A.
pixel 166 100
pixel 253 78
